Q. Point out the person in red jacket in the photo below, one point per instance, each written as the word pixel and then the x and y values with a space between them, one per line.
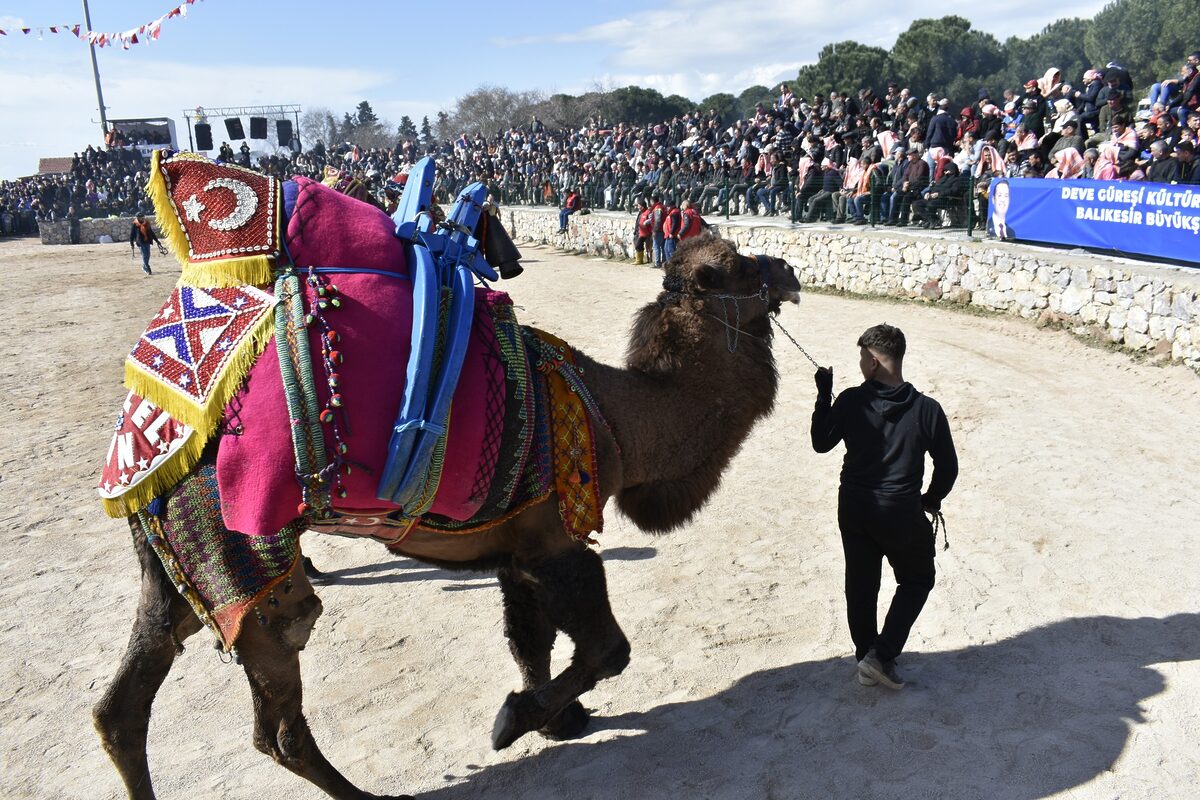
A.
pixel 690 222
pixel 658 215
pixel 570 206
pixel 643 230
pixel 671 226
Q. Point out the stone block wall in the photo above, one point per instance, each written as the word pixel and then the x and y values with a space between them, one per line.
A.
pixel 1139 307
pixel 90 230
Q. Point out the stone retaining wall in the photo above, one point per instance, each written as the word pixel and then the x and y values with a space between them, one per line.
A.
pixel 90 230
pixel 1142 307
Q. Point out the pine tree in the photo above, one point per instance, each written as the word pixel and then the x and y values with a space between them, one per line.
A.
pixel 407 130
pixel 364 115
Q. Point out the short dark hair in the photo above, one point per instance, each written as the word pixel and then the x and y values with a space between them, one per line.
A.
pixel 886 339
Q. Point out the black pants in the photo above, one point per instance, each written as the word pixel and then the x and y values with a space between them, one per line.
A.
pixel 872 529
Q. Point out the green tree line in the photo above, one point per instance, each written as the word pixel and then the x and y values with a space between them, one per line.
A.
pixel 947 56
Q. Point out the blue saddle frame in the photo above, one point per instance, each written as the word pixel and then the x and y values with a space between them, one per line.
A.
pixel 442 258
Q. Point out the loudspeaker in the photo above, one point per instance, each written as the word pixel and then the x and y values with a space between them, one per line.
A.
pixel 203 136
pixel 234 126
pixel 258 127
pixel 283 132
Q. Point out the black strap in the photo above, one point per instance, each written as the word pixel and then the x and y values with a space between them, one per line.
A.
pixel 764 271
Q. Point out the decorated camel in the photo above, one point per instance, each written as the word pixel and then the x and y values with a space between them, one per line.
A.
pixel 216 526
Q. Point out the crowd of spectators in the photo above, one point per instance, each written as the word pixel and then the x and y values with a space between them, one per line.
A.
pixel 101 182
pixel 889 158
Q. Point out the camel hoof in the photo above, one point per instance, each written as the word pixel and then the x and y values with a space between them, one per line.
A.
pixel 315 576
pixel 513 720
pixel 570 723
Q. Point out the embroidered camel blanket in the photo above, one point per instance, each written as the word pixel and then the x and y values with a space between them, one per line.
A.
pixel 199 360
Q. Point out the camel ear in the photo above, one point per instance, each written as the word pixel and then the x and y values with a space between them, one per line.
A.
pixel 709 278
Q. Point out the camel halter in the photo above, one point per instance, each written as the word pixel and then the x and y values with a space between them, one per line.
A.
pixel 673 284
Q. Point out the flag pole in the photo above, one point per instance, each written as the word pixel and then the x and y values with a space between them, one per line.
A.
pixel 87 18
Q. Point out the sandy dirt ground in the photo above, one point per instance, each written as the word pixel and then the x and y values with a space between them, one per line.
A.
pixel 1059 655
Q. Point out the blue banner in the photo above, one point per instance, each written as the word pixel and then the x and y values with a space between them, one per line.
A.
pixel 1153 219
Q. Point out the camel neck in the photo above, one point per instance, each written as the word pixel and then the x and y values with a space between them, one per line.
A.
pixel 685 425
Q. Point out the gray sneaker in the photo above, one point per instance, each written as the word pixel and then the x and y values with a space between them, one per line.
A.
pixel 885 673
pixel 864 679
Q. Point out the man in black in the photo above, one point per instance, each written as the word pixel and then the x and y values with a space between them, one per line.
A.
pixel 887 426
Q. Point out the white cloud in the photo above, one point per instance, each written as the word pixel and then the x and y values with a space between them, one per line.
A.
pixel 697 47
pixel 7 23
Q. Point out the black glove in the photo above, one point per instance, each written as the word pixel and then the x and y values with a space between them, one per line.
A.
pixel 824 381
pixel 929 505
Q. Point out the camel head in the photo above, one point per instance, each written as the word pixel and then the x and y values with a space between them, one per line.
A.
pixel 709 288
pixel 707 265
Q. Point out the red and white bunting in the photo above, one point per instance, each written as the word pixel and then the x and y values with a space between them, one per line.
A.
pixel 143 34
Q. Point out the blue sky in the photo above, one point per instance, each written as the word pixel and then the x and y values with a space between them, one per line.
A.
pixel 403 59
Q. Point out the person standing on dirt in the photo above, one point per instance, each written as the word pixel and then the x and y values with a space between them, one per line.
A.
pixel 141 232
pixel 888 427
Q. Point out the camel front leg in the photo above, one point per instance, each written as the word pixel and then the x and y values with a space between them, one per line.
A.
pixel 122 717
pixel 574 597
pixel 531 638
pixel 270 654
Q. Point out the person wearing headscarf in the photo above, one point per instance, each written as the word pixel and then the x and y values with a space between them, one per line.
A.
pixel 1106 165
pixel 1025 140
pixel 990 119
pixel 1050 84
pixel 1068 164
pixel 1064 112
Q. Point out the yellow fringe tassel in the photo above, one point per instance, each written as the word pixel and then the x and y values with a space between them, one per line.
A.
pixel 255 270
pixel 164 212
pixel 205 418
pixel 167 475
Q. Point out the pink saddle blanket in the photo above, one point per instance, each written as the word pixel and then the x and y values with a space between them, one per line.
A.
pixel 256 469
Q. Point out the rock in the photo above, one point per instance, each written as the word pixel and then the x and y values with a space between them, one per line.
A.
pixel 1180 307
pixel 1029 300
pixel 958 295
pixel 1137 341
pixel 1137 320
pixel 931 290
pixel 1074 298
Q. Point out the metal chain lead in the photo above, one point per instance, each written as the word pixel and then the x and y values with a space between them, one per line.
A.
pixel 797 344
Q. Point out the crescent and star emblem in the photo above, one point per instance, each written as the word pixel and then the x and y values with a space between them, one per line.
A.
pixel 244 207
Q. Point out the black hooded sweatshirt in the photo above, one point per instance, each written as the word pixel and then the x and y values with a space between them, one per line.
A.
pixel 888 430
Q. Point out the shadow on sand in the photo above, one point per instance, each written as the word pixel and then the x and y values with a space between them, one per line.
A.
pixel 404 570
pixel 1039 713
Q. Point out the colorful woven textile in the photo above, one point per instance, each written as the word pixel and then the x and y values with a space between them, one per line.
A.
pixel 150 453
pixel 222 574
pixel 572 441
pixel 515 468
pixel 197 349
pixel 221 221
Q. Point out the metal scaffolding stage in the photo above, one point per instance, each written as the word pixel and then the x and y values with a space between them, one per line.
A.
pixel 203 113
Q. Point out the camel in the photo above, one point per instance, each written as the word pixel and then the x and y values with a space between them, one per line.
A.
pixel 699 373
